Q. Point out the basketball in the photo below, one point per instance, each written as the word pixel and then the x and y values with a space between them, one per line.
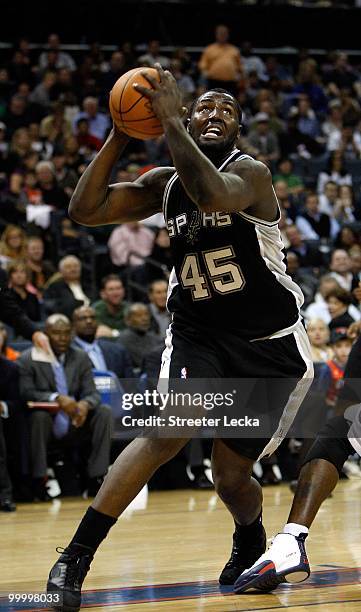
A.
pixel 132 112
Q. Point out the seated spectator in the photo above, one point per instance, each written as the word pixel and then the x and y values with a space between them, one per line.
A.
pixel 332 372
pixel 55 127
pixel 81 422
pixel 18 115
pixel 348 140
pixel 184 81
pixel 305 280
pixel 287 201
pixel 128 240
pixel 294 142
pixel 160 263
pixel 51 193
pixel 319 336
pixel 319 309
pixel 137 338
pixel 5 350
pixel 18 279
pixel 276 125
pixel 342 75
pixel 333 121
pixel 335 172
pixel 340 266
pixel 309 255
pixel 338 301
pixel 12 245
pixel 84 138
pixel 345 205
pixel 347 238
pixel 112 71
pixel 314 224
pixel 104 354
pixel 355 256
pixel 160 317
pixel 63 59
pixel 9 403
pixel 308 83
pixel 66 294
pixel 252 62
pixel 153 56
pixel 98 122
pixel 327 199
pixel 110 309
pixel 74 159
pixel 263 139
pixel 42 94
pixel 40 269
pixel 66 177
pixel 307 121
pixel 20 147
pixel 285 173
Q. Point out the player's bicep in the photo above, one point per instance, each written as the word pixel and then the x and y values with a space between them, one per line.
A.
pixel 127 202
pixel 135 201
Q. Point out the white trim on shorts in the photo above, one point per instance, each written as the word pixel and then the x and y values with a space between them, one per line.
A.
pixel 298 394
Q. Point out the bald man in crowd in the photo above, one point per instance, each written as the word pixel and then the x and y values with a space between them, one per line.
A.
pixel 67 293
pixel 81 422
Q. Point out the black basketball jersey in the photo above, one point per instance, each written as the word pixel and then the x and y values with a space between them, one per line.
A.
pixel 229 271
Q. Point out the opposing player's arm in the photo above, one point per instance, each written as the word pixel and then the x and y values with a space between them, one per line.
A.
pixel 95 202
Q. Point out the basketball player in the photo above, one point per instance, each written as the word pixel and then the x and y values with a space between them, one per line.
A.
pixel 235 310
pixel 339 438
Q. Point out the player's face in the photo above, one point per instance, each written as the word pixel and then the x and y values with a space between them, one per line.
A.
pixel 214 124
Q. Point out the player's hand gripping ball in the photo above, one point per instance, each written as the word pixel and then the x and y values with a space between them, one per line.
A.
pixel 131 111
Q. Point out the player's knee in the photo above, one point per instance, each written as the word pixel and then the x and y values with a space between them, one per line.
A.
pixel 230 485
pixel 332 444
pixel 165 449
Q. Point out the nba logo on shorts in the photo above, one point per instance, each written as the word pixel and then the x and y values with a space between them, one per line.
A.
pixel 184 373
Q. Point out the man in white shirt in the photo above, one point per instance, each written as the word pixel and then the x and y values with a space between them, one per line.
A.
pixel 314 224
pixel 340 266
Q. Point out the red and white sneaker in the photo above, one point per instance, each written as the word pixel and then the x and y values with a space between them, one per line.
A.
pixel 284 561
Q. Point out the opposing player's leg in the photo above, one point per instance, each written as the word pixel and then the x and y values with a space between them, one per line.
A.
pixel 286 559
pixel 242 494
pixel 130 472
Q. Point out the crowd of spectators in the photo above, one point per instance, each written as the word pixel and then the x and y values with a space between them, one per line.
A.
pixel 301 117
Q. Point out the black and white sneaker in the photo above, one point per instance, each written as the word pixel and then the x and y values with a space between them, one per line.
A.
pixel 67 576
pixel 285 561
pixel 247 547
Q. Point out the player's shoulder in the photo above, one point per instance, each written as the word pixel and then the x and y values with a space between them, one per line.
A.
pixel 249 168
pixel 157 178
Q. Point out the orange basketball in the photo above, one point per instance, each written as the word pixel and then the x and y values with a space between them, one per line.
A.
pixel 132 112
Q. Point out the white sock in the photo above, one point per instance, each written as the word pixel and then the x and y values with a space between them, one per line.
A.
pixel 294 529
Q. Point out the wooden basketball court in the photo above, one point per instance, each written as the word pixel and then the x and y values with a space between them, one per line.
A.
pixel 167 557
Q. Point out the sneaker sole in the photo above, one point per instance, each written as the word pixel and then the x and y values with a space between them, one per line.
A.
pixel 265 578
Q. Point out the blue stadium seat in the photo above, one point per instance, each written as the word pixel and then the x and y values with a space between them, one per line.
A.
pixel 20 345
pixel 110 390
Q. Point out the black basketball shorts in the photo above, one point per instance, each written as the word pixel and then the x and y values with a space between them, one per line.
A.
pixel 204 354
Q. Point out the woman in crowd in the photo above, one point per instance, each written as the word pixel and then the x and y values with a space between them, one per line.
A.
pixel 12 245
pixel 319 336
pixel 338 301
pixel 335 172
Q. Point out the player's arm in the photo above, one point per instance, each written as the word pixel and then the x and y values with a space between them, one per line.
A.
pixel 247 184
pixel 95 202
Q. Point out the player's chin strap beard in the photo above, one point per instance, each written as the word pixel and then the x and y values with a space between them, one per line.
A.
pixel 218 153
